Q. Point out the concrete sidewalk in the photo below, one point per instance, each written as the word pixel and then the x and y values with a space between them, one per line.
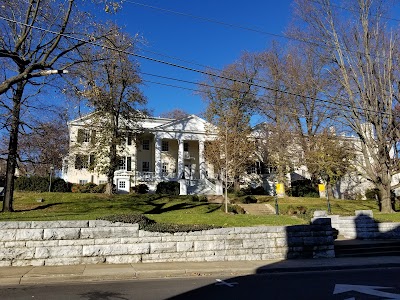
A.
pixel 108 272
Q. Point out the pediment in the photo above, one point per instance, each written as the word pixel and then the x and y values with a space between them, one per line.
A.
pixel 191 123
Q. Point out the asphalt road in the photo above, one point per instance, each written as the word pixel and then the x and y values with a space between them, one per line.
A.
pixel 349 285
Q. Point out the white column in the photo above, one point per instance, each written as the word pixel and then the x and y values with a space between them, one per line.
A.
pixel 180 159
pixel 202 162
pixel 157 158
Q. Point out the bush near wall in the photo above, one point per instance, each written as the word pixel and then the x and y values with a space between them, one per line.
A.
pixel 168 188
pixel 89 187
pixel 303 188
pixel 141 188
pixel 259 190
pixel 41 184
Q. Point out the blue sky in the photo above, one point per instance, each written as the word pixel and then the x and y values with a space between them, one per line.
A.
pixel 202 42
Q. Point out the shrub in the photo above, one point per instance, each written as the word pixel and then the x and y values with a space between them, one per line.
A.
pixel 39 184
pixel 141 188
pixel 194 198
pixel 259 190
pixel 140 219
pixel 100 189
pixel 249 199
pixel 234 209
pixel 169 188
pixel 304 188
pixel 61 186
pixel 150 225
pixel 89 187
pixel 203 198
pixel 299 210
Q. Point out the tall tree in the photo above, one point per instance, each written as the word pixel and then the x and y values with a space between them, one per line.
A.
pixel 111 87
pixel 331 157
pixel 230 97
pixel 175 114
pixel 294 113
pixel 363 52
pixel 274 105
pixel 43 147
pixel 36 36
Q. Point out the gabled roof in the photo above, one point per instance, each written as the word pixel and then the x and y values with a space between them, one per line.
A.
pixel 191 123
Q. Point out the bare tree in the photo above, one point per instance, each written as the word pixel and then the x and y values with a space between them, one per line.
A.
pixel 43 147
pixel 175 114
pixel 363 54
pixel 111 86
pixel 37 38
pixel 229 105
pixel 275 106
pixel 294 113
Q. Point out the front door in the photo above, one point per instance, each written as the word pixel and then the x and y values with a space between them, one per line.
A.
pixel 122 186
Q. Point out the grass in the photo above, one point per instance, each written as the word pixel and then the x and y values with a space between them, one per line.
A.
pixel 338 206
pixel 165 209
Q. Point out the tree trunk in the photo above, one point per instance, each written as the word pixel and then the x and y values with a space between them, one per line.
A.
pixel 385 201
pixel 113 159
pixel 13 148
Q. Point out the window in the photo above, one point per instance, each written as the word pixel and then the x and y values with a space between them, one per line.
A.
pixel 145 166
pixel 86 136
pixel 81 162
pixel 146 145
pixel 82 181
pixel 185 147
pixel 122 184
pixel 165 168
pixel 164 146
pixel 102 181
pixel 122 163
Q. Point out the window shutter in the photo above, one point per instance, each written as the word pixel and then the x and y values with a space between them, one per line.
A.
pixel 81 133
pixel 129 163
pixel 93 137
pixel 129 139
pixel 78 162
pixel 91 161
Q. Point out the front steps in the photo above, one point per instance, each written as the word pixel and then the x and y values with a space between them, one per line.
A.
pixel 258 209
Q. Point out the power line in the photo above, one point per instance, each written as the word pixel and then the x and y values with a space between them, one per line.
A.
pixel 177 65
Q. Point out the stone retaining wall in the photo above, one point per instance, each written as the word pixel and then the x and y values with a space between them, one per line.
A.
pixel 91 242
pixel 361 226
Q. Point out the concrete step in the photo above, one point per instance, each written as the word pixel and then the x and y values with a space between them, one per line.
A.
pixel 258 209
pixel 365 248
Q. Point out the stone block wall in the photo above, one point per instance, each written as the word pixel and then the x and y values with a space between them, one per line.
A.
pixel 362 226
pixel 92 242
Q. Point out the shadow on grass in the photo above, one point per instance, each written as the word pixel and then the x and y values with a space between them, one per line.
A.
pixel 160 208
pixel 40 207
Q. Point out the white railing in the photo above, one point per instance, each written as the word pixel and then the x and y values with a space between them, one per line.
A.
pixel 145 176
pixel 169 176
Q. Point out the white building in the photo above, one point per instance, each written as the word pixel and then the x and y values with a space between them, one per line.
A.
pixel 167 150
pixel 171 150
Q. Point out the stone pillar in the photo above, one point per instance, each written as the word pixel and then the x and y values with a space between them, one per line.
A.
pixel 181 166
pixel 157 157
pixel 202 162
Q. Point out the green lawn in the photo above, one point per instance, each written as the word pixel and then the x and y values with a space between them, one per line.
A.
pixel 164 209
